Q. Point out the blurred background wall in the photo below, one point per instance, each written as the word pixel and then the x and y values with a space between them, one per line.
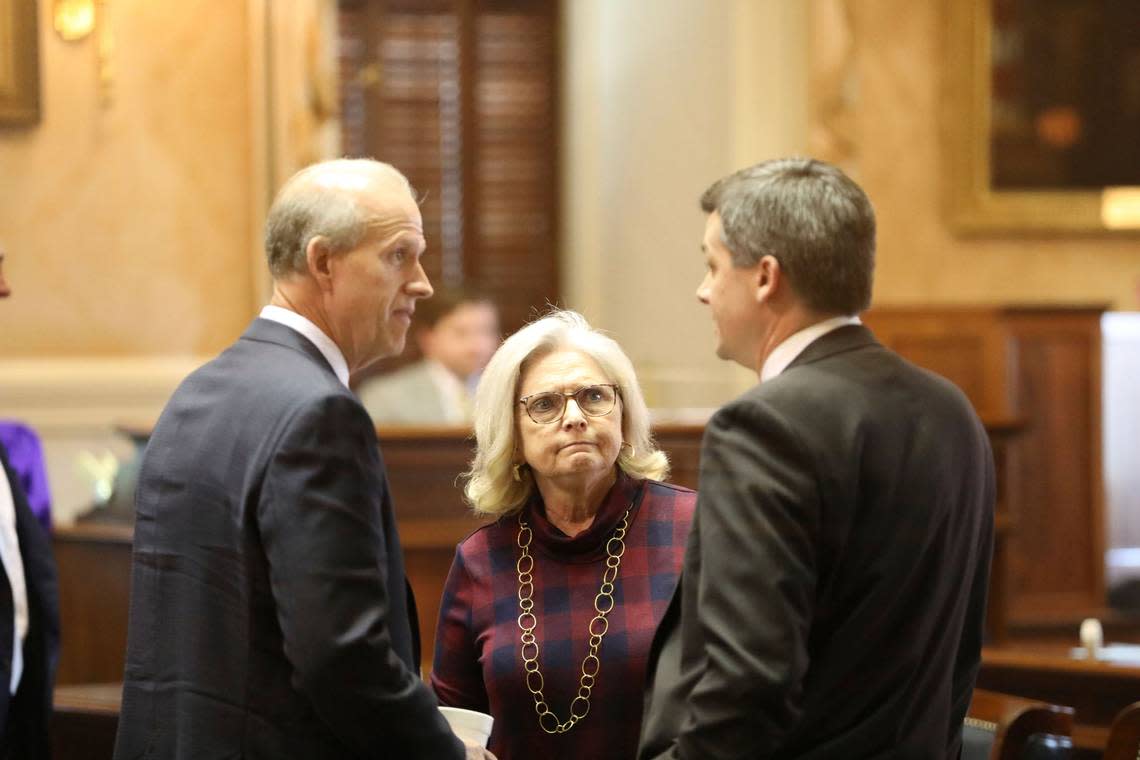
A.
pixel 131 210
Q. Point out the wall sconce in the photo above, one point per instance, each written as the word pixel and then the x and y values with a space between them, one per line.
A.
pixel 73 19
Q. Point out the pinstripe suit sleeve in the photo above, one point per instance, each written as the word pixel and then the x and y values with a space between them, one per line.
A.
pixel 320 520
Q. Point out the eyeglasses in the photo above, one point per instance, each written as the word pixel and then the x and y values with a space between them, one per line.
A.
pixel 593 400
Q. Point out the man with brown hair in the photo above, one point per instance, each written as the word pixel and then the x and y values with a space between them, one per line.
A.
pixel 457 332
pixel 834 584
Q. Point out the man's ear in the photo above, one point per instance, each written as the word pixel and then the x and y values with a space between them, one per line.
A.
pixel 318 260
pixel 769 278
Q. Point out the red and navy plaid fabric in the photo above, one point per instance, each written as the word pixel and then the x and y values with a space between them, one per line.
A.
pixel 477 660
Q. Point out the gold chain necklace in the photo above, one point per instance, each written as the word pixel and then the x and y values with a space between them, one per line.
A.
pixel 603 604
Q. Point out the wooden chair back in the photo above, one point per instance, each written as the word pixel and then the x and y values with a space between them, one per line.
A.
pixel 1014 720
pixel 1124 736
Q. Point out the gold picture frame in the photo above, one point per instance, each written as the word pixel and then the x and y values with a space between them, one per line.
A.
pixel 19 62
pixel 973 204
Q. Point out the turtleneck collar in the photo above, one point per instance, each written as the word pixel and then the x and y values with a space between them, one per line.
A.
pixel 590 544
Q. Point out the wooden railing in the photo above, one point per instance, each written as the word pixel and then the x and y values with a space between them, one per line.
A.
pixel 423 466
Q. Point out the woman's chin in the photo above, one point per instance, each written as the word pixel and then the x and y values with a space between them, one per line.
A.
pixel 582 470
pixel 587 460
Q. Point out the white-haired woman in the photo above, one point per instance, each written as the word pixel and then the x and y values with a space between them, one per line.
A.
pixel 549 611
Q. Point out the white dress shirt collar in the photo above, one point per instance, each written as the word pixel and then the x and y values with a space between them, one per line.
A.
pixel 316 336
pixel 792 346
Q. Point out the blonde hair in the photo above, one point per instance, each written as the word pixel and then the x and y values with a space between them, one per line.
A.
pixel 491 488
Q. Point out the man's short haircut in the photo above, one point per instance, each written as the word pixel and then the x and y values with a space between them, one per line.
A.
pixel 305 208
pixel 430 311
pixel 817 223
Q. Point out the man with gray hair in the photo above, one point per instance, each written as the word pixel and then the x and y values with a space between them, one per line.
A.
pixel 833 590
pixel 270 614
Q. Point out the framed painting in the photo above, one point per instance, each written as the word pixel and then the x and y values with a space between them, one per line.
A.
pixel 19 62
pixel 1041 116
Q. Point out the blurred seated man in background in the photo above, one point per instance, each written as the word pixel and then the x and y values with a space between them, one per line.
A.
pixel 457 332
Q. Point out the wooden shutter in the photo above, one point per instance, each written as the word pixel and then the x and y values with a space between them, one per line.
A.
pixel 461 95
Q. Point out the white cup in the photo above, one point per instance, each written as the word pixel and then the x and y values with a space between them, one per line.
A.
pixel 1092 637
pixel 470 726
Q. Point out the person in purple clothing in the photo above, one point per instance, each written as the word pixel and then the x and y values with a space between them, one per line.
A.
pixel 26 457
pixel 548 612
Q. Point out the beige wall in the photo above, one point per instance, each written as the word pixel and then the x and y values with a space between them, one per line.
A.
pixel 662 97
pixel 132 226
pixel 127 221
pixel 128 217
pixel 896 64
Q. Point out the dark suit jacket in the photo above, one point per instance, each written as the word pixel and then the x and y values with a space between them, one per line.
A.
pixel 269 609
pixel 832 597
pixel 27 714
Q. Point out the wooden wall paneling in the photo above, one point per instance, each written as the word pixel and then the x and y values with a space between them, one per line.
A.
pixel 94 563
pixel 84 721
pixel 424 465
pixel 964 345
pixel 1002 434
pixel 1058 549
pixel 682 443
pixel 423 468
pixel 1039 365
pixel 428 552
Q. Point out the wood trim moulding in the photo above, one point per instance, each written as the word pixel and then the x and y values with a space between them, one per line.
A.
pixel 67 393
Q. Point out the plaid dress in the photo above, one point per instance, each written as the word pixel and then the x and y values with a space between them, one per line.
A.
pixel 477 661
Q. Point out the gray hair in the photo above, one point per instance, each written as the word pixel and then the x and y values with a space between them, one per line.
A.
pixel 317 202
pixel 491 489
pixel 817 223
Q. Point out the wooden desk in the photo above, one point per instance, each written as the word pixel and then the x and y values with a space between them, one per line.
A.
pixel 94 563
pixel 84 721
pixel 1096 690
pixel 424 465
pixel 1002 433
